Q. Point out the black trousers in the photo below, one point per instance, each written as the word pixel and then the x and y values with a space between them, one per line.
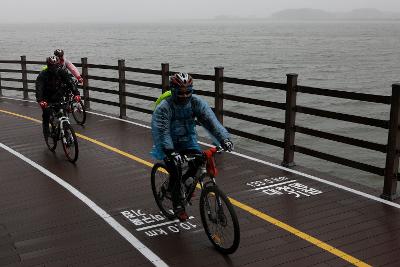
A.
pixel 46 118
pixel 176 176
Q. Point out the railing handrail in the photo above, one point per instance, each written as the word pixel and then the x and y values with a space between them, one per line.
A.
pixel 345 94
pixel 373 98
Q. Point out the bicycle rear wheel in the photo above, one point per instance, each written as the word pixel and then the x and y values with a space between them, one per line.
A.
pixel 70 143
pixel 159 186
pixel 219 220
pixel 51 139
pixel 78 112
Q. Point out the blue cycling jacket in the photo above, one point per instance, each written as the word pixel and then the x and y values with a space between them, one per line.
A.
pixel 173 126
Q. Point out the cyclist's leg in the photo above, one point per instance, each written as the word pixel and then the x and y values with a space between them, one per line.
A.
pixel 45 123
pixel 175 187
pixel 173 184
pixel 193 165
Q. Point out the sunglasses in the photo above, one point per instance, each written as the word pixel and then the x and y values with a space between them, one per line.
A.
pixel 185 92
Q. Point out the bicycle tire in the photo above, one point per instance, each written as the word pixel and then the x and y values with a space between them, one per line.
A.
pixel 159 183
pixel 68 130
pixel 74 111
pixel 219 220
pixel 51 140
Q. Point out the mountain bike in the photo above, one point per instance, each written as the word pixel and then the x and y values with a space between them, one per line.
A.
pixel 77 109
pixel 217 214
pixel 61 129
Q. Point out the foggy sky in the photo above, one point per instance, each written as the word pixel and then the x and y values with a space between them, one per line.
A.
pixel 20 11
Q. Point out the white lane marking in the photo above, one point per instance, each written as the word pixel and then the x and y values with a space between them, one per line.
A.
pixel 160 224
pixel 99 211
pixel 119 119
pixel 371 197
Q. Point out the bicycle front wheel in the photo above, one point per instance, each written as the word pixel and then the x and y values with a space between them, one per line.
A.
pixel 159 186
pixel 70 143
pixel 219 220
pixel 78 112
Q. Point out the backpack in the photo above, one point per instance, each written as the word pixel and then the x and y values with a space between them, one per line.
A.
pixel 163 96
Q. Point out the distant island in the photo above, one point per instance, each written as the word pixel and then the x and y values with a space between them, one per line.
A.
pixel 318 14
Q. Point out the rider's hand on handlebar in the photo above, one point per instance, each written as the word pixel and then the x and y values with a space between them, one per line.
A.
pixel 227 145
pixel 43 104
pixel 77 98
pixel 80 80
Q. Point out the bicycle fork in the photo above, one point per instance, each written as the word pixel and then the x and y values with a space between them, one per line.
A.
pixel 218 215
pixel 62 133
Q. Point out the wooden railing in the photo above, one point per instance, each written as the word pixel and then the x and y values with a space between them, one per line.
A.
pixel 391 148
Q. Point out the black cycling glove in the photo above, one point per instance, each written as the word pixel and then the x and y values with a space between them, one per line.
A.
pixel 227 145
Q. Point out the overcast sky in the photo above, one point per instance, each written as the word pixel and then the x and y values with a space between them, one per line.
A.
pixel 15 11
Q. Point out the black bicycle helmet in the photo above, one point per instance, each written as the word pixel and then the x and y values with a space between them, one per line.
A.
pixel 53 63
pixel 59 53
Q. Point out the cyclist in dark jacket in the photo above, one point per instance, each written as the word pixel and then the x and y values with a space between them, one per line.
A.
pixel 52 85
pixel 174 133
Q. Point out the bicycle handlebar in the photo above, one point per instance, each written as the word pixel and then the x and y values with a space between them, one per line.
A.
pixel 55 105
pixel 219 149
pixel 212 151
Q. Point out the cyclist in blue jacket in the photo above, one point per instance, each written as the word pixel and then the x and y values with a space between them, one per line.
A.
pixel 174 133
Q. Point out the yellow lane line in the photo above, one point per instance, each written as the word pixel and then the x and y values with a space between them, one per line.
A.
pixel 238 204
pixel 116 150
pixel 20 116
pixel 299 233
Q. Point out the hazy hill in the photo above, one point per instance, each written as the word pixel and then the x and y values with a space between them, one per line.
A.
pixel 317 14
pixel 367 13
pixel 302 14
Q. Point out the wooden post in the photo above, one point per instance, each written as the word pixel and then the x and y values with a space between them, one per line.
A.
pixel 1 92
pixel 219 93
pixel 392 156
pixel 24 77
pixel 122 88
pixel 165 77
pixel 85 85
pixel 290 118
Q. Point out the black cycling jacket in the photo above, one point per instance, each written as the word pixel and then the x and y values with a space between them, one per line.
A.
pixel 53 86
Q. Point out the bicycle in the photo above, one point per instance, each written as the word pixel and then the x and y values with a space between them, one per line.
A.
pixel 61 129
pixel 217 213
pixel 77 109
